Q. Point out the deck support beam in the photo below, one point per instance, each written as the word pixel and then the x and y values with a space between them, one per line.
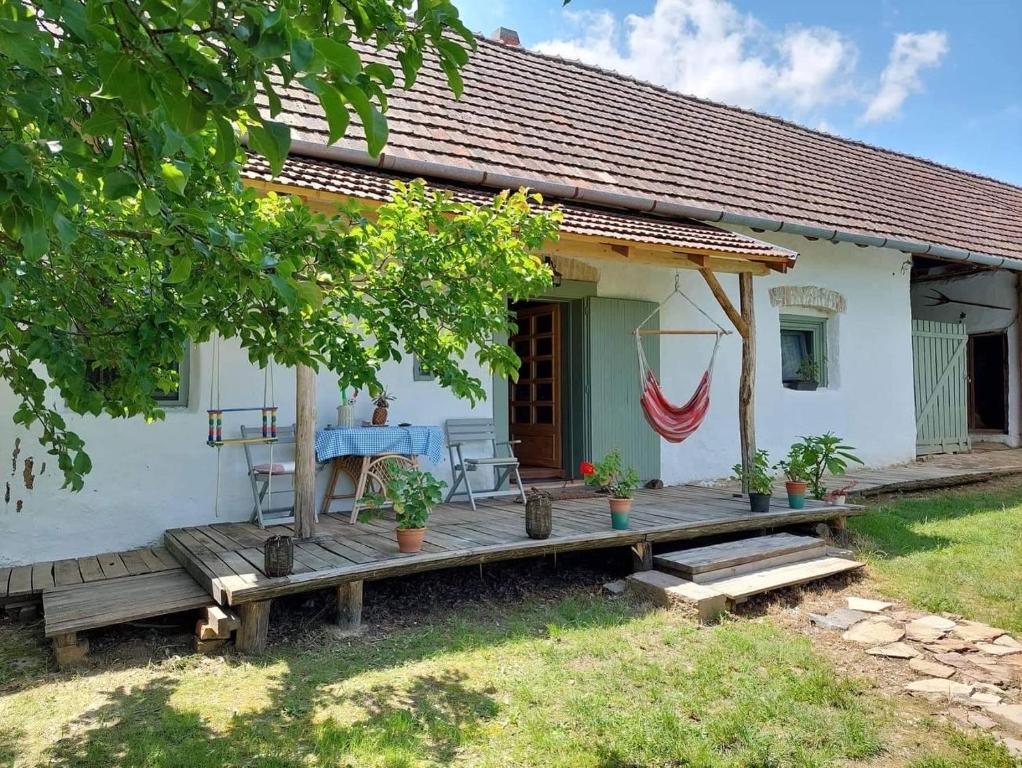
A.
pixel 747 380
pixel 349 607
pixel 642 556
pixel 69 650
pixel 255 624
pixel 305 452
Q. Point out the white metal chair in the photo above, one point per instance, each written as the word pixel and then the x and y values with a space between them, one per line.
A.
pixel 260 474
pixel 461 431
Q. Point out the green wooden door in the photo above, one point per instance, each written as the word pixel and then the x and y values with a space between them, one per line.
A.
pixel 613 416
pixel 941 390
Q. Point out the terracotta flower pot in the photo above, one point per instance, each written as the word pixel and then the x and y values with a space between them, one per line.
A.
pixel 796 493
pixel 619 509
pixel 410 539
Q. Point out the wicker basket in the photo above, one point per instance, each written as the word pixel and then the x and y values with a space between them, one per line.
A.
pixel 538 516
pixel 278 555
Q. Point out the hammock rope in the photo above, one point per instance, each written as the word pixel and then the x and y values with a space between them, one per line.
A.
pixel 672 422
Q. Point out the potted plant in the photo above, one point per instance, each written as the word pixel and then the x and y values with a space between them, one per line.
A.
pixel 413 494
pixel 822 454
pixel 759 480
pixel 807 376
pixel 839 496
pixel 620 482
pixel 794 469
pixel 381 411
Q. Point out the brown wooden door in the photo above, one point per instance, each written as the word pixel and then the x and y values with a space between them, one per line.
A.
pixel 535 410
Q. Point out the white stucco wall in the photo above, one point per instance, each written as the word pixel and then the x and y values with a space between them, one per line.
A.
pixel 149 477
pixel 869 398
pixel 998 288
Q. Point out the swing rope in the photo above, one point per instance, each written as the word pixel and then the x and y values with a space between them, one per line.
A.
pixel 672 422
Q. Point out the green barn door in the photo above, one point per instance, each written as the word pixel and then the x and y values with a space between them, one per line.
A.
pixel 613 416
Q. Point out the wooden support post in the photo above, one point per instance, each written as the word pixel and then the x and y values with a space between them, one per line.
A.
pixel 747 381
pixel 737 318
pixel 305 452
pixel 255 623
pixel 69 650
pixel 642 556
pixel 349 606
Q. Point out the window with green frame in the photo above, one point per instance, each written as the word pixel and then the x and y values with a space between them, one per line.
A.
pixel 803 341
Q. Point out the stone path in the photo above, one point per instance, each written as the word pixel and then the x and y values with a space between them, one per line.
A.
pixel 973 670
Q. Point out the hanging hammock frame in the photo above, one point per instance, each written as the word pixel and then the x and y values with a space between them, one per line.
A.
pixel 675 423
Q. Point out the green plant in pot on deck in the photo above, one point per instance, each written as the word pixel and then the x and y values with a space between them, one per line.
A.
pixel 610 476
pixel 413 494
pixel 758 479
pixel 795 473
pixel 822 454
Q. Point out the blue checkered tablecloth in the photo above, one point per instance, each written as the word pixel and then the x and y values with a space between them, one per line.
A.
pixel 372 441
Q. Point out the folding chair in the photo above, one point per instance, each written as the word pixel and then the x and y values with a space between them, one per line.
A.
pixel 259 475
pixel 461 431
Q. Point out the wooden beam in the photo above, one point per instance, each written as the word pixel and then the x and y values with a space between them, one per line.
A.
pixel 349 606
pixel 747 379
pixel 737 318
pixel 305 452
pixel 580 245
pixel 581 249
pixel 255 624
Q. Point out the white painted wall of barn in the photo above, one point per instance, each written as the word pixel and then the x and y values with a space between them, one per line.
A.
pixel 1000 289
pixel 149 477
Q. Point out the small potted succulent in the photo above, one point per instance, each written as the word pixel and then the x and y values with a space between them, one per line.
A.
pixel 759 480
pixel 620 482
pixel 413 494
pixel 839 496
pixel 794 469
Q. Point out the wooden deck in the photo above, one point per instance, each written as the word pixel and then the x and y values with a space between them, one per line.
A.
pixel 227 558
pixel 27 582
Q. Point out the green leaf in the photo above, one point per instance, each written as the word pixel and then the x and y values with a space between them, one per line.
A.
pixel 337 116
pixel 271 140
pixel 83 464
pixel 381 72
pixel 118 184
pixel 186 110
pixel 67 231
pixel 339 57
pixel 180 268
pixel 126 79
pixel 271 96
pixel 302 53
pixel 175 174
pixel 226 141
pixel 373 122
pixel 35 242
pixel 151 202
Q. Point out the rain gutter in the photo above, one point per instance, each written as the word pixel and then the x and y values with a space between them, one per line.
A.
pixel 429 168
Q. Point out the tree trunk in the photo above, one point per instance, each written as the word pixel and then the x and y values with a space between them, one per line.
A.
pixel 305 452
pixel 747 382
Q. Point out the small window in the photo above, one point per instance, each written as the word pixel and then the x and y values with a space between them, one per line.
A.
pixel 176 398
pixel 803 351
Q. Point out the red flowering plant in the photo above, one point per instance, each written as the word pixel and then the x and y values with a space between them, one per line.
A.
pixel 609 475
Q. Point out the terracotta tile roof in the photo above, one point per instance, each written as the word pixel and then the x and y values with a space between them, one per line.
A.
pixel 630 226
pixel 540 117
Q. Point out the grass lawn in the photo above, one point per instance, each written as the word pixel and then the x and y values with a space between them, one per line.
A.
pixel 579 681
pixel 958 551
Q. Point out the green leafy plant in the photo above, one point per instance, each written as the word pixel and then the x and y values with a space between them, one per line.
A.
pixel 412 493
pixel 793 466
pixel 758 477
pixel 809 370
pixel 610 475
pixel 822 454
pixel 126 231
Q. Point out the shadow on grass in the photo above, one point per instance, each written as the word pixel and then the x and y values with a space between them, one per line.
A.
pixel 310 717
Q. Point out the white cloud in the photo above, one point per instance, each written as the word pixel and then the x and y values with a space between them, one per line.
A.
pixel 911 53
pixel 709 48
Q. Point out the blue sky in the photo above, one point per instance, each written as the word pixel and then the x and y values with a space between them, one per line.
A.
pixel 934 78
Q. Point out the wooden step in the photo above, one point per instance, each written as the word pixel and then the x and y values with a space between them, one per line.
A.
pixel 734 558
pixel 103 603
pixel 740 588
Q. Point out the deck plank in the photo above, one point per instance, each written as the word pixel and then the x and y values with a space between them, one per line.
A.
pixel 112 565
pixel 42 576
pixel 20 584
pixel 66 573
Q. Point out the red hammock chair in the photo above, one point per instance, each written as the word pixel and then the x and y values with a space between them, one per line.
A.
pixel 674 423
